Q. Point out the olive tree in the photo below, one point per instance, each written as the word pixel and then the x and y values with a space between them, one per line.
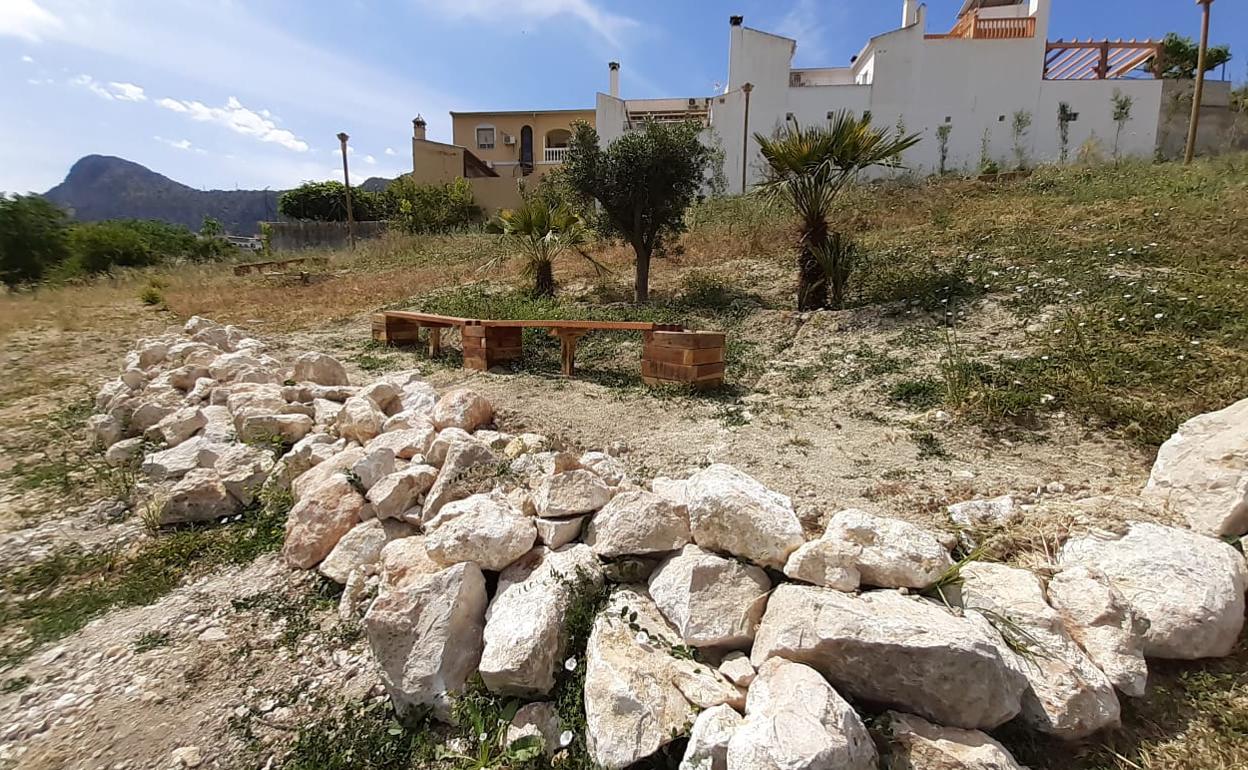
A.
pixel 33 238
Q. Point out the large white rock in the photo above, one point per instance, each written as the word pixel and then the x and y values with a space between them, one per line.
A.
pixel 442 442
pixel 895 553
pixel 274 428
pixel 492 539
pixel 571 493
pixel 175 463
pixel 1201 472
pixel 485 504
pixel 994 512
pixel 198 496
pixel 828 561
pixel 1188 586
pixel 401 491
pixel 319 520
pixel 920 745
pixel 361 547
pixel 462 408
pixel 708 740
pixel 637 522
pixel 105 430
pixel 525 640
pixel 334 466
pixel 243 470
pixel 321 369
pixel 124 452
pixel 895 650
pixel 556 533
pixel 461 457
pixel 712 601
pixel 638 696
pixel 360 419
pixel 377 464
pixel 1068 696
pixel 606 467
pixel 405 443
pixel 794 720
pixel 733 513
pixel 404 560
pixel 385 394
pixel 426 636
pixel 179 426
pixel 1100 620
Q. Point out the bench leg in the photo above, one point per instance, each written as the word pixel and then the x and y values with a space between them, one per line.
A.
pixel 435 341
pixel 567 349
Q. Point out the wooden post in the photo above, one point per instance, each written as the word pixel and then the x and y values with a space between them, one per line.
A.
pixel 435 341
pixel 346 180
pixel 567 348
pixel 746 88
pixel 1199 94
pixel 1102 67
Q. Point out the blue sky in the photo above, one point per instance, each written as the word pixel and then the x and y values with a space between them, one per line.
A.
pixel 227 93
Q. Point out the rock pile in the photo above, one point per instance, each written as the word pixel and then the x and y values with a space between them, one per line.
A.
pixel 462 547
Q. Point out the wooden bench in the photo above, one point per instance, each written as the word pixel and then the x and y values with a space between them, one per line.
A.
pixel 671 354
pixel 276 264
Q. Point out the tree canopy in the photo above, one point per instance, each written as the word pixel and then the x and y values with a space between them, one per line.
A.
pixel 1180 56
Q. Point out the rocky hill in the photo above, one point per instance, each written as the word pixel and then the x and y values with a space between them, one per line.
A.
pixel 107 187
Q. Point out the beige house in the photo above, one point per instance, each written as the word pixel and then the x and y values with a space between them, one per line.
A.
pixel 496 151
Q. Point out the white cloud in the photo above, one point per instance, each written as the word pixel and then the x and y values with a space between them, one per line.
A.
pixel 124 92
pixel 27 20
pixel 390 151
pixel 28 60
pixel 239 119
pixel 177 144
pixel 608 25
pixel 370 160
pixel 127 92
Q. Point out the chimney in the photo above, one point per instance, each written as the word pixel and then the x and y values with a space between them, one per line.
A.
pixel 615 78
pixel 418 128
pixel 736 21
pixel 909 12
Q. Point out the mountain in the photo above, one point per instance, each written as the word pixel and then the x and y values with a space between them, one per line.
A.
pixel 375 184
pixel 105 187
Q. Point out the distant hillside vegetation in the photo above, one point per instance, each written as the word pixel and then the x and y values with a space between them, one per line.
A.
pixel 104 187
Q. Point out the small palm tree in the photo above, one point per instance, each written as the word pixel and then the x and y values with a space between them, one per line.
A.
pixel 541 232
pixel 808 168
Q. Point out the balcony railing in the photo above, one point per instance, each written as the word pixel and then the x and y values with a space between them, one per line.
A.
pixel 972 27
pixel 555 155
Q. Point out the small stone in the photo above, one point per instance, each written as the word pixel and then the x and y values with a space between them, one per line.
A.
pixel 556 533
pixel 737 667
pixel 916 743
pixel 187 756
pixel 997 512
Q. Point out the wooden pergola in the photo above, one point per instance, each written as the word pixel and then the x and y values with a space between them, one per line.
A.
pixel 1098 59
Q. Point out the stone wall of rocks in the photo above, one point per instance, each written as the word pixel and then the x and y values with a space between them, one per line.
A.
pixel 791 632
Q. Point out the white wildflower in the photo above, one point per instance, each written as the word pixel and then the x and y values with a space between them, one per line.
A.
pixel 565 738
pixel 570 664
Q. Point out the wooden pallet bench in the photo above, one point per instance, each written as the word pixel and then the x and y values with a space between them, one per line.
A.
pixel 276 264
pixel 671 354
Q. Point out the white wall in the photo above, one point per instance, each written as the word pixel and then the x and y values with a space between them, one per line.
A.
pixel 610 118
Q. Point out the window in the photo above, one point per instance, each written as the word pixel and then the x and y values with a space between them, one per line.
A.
pixel 485 138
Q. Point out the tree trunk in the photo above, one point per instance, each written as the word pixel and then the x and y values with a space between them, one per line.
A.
pixel 812 280
pixel 544 280
pixel 641 286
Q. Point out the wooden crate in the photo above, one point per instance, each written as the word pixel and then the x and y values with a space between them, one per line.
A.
pixel 489 346
pixel 683 358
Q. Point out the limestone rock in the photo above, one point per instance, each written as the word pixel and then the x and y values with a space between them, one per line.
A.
pixel 895 650
pixel 105 430
pixel 491 539
pixel 1188 586
pixel 1201 472
pixel 795 720
pixel 406 419
pixel 243 470
pixel 672 490
pixel 124 452
pixel 738 668
pixel 524 444
pixel 731 512
pixel 895 553
pixel 377 463
pixel 637 695
pixel 570 493
pixel 417 397
pixel 708 740
pixel 556 533
pixel 606 467
pixel 828 561
pixel 405 560
pixel 360 419
pixel 334 466
pixel 319 520
pixel 360 547
pixel 185 457
pixel 524 627
pixel 385 394
pixel 442 442
pixel 248 399
pixel 321 369
pixel 187 377
pixel 916 744
pixel 996 512
pixel 1099 619
pixel 1068 696
pixel 405 443
pixel 461 457
pixel 485 505
pixel 712 601
pixel 637 522
pixel 279 428
pixel 198 496
pixel 426 636
pixel 400 491
pixel 462 408
pixel 540 719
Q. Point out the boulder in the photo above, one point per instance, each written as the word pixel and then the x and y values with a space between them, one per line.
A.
pixel 556 533
pixel 408 418
pixel 493 439
pixel 794 720
pixel 404 560
pixel 917 744
pixel 1068 695
pixel 606 467
pixel 417 397
pixel 461 457
pixel 638 696
pixel 708 740
pixel 462 408
pixel 147 415
pixel 397 493
pixel 377 463
pixel 325 412
pixel 1189 587
pixel 175 463
pixel 105 430
pixel 426 636
pixel 525 637
pixel 249 399
pixel 738 668
pixel 672 490
pixel 124 452
pixel 220 424
pixel 492 539
pixel 895 553
pixel 198 496
pixel 196 324
pixel 637 522
pixel 385 394
pixel 537 719
pixel 360 419
pixel 895 650
pixel 485 504
pixel 1097 616
pixel 405 443
pixel 243 470
pixel 319 520
pixel 732 513
pixel 187 377
pixel 571 493
pixel 712 601
pixel 441 444
pixel 321 369
pixel 361 547
pixel 274 428
pixel 828 561
pixel 334 466
pixel 996 512
pixel 1201 472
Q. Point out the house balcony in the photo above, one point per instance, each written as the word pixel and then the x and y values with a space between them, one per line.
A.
pixel 554 154
pixel 973 26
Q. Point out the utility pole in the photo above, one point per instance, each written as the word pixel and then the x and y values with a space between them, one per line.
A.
pixel 1199 93
pixel 346 180
pixel 746 88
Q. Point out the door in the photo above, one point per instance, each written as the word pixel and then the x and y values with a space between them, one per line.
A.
pixel 526 149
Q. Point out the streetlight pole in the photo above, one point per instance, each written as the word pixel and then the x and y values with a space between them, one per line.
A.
pixel 1199 93
pixel 746 88
pixel 346 180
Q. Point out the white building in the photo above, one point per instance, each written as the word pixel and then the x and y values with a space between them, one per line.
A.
pixel 996 65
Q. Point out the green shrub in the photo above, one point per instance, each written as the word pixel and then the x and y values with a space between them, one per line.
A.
pixel 97 247
pixel 150 295
pixel 327 202
pixel 432 208
pixel 33 238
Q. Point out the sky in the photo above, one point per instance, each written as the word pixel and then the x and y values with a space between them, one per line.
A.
pixel 227 94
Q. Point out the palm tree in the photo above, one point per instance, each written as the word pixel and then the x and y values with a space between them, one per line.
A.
pixel 808 168
pixel 541 232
